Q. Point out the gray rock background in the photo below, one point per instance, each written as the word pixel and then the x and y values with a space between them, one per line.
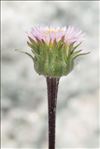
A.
pixel 24 97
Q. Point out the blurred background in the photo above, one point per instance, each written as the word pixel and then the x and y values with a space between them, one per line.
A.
pixel 24 97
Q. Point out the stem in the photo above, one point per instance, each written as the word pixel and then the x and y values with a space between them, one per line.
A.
pixel 52 87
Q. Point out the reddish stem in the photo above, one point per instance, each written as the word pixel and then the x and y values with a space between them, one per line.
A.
pixel 52 87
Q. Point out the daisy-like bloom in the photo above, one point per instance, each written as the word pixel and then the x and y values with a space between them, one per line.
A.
pixel 54 49
pixel 50 34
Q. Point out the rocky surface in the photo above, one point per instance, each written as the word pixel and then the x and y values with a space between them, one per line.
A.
pixel 24 97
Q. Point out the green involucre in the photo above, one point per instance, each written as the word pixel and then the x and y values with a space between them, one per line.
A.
pixel 54 60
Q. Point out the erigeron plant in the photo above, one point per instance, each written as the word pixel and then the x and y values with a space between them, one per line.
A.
pixel 54 51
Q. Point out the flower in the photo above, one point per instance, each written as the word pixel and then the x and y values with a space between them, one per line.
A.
pixel 54 49
pixel 50 34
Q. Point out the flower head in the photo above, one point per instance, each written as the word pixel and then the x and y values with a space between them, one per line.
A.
pixel 54 49
pixel 50 34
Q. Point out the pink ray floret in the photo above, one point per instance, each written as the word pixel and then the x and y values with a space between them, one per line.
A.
pixel 50 34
